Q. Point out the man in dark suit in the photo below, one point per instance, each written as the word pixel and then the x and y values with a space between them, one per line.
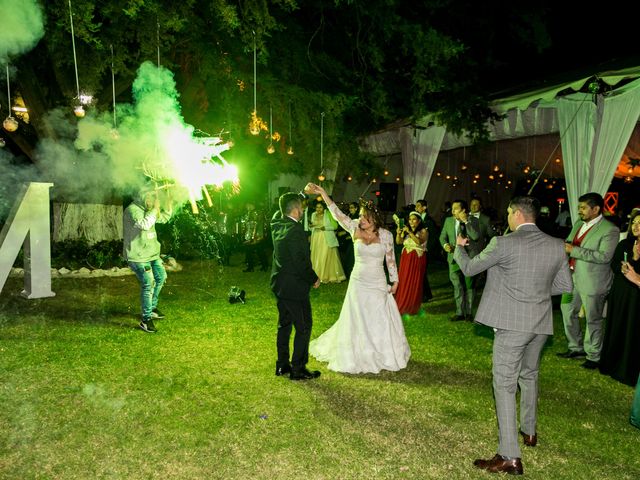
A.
pixel 486 230
pixel 292 276
pixel 525 268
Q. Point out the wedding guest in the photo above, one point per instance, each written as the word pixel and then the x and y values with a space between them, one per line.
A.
pixel 141 250
pixel 590 247
pixel 525 268
pixel 346 242
pixel 422 207
pixel 324 246
pixel 620 357
pixel 460 223
pixel 413 263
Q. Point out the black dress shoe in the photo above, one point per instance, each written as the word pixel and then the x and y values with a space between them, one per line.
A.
pixel 457 318
pixel 529 440
pixel 282 370
pixel 499 464
pixel 590 364
pixel 304 374
pixel 571 354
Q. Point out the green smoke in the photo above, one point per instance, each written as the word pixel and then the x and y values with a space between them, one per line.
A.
pixel 21 29
pixel 98 161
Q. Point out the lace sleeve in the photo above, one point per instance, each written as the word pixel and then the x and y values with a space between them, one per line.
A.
pixel 387 240
pixel 345 222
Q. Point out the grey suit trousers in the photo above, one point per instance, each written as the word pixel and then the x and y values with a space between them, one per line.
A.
pixel 463 291
pixel 594 321
pixel 516 361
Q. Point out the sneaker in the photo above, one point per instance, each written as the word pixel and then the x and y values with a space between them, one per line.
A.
pixel 148 326
pixel 155 313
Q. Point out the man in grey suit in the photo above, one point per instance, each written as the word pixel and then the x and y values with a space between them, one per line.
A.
pixel 590 246
pixel 463 286
pixel 525 268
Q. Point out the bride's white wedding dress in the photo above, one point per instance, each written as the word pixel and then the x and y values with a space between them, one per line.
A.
pixel 369 335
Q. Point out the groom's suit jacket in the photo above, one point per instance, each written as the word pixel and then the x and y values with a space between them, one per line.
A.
pixel 524 269
pixel 593 274
pixel 291 274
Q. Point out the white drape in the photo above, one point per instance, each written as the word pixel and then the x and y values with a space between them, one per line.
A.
pixel 420 148
pixel 594 138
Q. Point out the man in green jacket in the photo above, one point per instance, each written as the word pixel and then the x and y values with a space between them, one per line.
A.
pixel 142 252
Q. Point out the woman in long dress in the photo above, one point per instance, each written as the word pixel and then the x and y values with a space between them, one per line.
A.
pixel 368 335
pixel 413 263
pixel 325 257
pixel 621 341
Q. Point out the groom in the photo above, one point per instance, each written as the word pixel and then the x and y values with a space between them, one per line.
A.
pixel 292 276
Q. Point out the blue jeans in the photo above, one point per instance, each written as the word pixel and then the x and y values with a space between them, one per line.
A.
pixel 151 276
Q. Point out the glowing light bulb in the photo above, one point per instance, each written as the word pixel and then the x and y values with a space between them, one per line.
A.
pixel 10 124
pixel 463 168
pixel 79 111
pixel 557 160
pixel 321 177
pixel 290 150
pixel 386 172
pixel 397 179
pixel 496 168
pixel 349 178
pixel 271 149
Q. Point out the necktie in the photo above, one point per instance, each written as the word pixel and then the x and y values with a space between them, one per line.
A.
pixel 462 230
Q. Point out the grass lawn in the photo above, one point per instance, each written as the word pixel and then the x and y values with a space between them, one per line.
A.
pixel 86 394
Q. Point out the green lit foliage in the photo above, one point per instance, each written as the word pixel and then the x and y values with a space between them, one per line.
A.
pixel 365 64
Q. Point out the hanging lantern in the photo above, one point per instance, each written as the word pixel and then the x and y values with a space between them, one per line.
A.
pixel 397 179
pixel 10 124
pixel 386 172
pixel 255 123
pixel 349 178
pixel 271 149
pixel 79 111
pixel 322 177
pixel 290 149
pixel 463 167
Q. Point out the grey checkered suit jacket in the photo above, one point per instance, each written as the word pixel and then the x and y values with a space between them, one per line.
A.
pixel 524 269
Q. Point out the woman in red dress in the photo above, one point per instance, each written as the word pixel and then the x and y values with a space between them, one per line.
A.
pixel 413 263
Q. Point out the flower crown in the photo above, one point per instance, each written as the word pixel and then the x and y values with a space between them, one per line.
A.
pixel 369 205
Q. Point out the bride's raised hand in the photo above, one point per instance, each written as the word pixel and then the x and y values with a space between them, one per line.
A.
pixel 312 188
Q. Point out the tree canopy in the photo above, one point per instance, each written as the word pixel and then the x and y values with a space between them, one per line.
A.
pixel 363 63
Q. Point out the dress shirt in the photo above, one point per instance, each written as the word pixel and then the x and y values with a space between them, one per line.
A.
pixel 587 225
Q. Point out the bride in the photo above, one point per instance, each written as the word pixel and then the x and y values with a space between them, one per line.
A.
pixel 369 335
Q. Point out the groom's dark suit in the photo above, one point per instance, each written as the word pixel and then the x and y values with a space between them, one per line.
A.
pixel 291 279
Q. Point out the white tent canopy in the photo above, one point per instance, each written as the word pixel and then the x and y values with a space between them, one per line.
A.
pixel 594 130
